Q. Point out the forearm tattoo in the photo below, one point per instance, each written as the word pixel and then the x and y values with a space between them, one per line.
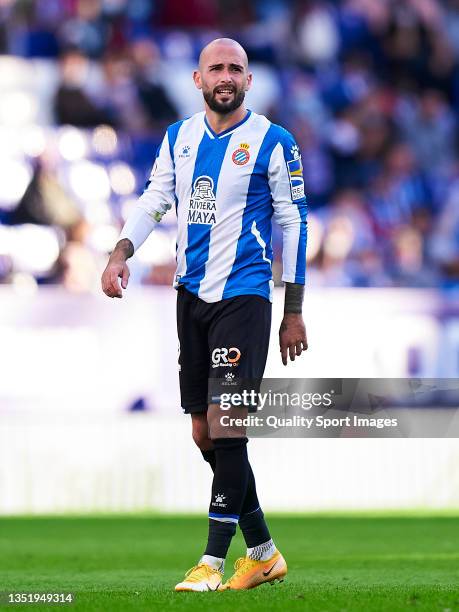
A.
pixel 294 294
pixel 125 247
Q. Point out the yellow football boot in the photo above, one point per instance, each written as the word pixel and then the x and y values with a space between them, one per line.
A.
pixel 250 573
pixel 201 577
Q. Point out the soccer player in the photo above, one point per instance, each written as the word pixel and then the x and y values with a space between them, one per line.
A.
pixel 226 171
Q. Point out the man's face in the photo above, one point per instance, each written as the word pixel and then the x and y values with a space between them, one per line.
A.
pixel 223 78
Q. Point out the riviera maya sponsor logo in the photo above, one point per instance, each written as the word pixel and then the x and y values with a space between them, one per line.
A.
pixel 202 203
pixel 226 357
pixel 219 499
pixel 241 155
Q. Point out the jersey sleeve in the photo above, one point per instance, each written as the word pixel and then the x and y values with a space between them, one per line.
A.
pixel 157 198
pixel 285 176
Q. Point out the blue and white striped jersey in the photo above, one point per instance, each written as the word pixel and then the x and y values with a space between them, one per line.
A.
pixel 226 187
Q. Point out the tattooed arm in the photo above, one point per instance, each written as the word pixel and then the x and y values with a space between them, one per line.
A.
pixel 117 268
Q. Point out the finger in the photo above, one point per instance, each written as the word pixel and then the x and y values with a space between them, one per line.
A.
pixel 109 292
pixel 105 282
pixel 284 355
pixel 305 345
pixel 291 350
pixel 298 348
pixel 114 287
pixel 106 287
pixel 125 277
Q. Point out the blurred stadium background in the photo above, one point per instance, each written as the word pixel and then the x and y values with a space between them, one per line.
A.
pixel 89 405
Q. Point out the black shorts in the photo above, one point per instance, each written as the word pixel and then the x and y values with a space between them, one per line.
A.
pixel 226 340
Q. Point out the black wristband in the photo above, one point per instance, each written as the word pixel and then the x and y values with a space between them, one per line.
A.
pixel 294 294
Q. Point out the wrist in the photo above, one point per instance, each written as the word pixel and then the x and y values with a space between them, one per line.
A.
pixel 122 251
pixel 294 293
pixel 117 257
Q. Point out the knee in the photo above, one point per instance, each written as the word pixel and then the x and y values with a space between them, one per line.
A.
pixel 201 440
pixel 228 428
pixel 200 434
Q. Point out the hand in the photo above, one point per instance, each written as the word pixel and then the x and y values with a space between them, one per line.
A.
pixel 292 336
pixel 114 270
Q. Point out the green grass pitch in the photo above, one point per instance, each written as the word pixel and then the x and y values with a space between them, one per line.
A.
pixel 336 563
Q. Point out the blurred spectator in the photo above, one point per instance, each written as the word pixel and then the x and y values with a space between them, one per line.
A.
pixel 119 93
pixel 86 28
pixel 349 243
pixel 45 202
pixel 317 33
pixel 131 92
pixel 153 97
pixel 399 191
pixel 429 125
pixel 445 238
pixel 73 104
pixel 80 268
pixel 191 14
pixel 407 265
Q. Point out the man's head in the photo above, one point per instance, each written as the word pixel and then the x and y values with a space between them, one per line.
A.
pixel 223 75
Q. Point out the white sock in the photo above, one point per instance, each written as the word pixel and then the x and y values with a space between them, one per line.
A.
pixel 214 562
pixel 262 552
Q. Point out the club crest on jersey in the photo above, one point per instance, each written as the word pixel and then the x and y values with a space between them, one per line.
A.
pixel 295 173
pixel 202 202
pixel 241 155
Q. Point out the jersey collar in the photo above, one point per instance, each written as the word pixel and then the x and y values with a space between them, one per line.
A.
pixel 227 132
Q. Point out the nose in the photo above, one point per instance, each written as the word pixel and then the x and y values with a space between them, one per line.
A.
pixel 225 76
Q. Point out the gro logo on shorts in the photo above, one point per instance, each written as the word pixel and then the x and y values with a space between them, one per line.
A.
pixel 225 358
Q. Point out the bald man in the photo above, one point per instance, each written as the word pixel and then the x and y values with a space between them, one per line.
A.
pixel 227 171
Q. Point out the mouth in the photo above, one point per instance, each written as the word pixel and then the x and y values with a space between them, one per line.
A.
pixel 224 91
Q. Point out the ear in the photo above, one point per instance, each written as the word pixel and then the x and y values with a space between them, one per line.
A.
pixel 249 81
pixel 197 79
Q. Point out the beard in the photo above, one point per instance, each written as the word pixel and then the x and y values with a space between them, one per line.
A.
pixel 223 108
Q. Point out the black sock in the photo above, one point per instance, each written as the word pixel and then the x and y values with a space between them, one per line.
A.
pixel 252 521
pixel 209 456
pixel 228 493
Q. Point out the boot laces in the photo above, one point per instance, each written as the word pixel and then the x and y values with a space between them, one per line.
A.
pixel 242 566
pixel 198 569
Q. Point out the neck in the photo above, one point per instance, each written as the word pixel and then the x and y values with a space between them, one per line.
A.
pixel 221 122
